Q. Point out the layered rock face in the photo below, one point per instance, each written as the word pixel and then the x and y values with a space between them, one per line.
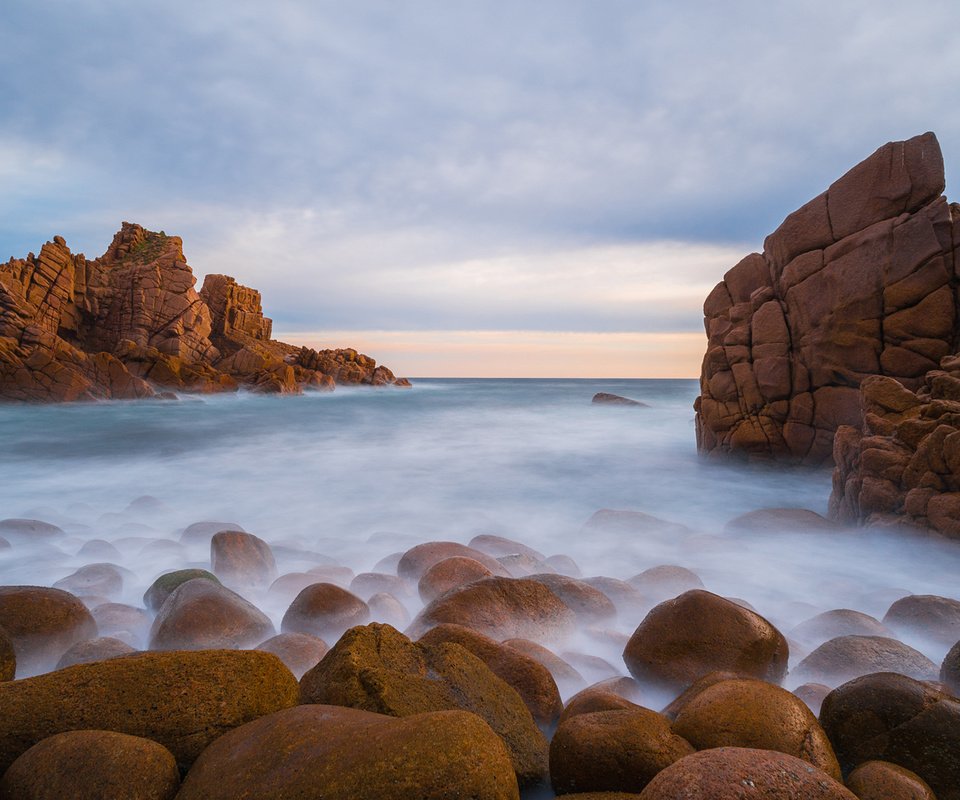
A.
pixel 130 324
pixel 860 281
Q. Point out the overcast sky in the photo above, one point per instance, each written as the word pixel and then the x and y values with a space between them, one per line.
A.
pixel 441 178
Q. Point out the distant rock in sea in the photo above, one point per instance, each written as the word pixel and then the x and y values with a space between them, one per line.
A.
pixel 860 281
pixel 130 325
pixel 616 400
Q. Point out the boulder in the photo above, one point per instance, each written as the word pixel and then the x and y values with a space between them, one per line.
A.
pixel 417 560
pixel 498 546
pixel 324 610
pixel 531 680
pixel 242 559
pixel 683 639
pixel 889 717
pixel 375 668
pixel 501 608
pixel 605 398
pixel 29 530
pixel 164 585
pixel 202 532
pixel 754 714
pixel 838 622
pixel 449 574
pixel 881 780
pixel 619 750
pixel 333 753
pixel 812 694
pixel 847 657
pixel 595 698
pixel 298 651
pixel 43 624
pixel 99 649
pixel 200 614
pixel 568 679
pixel 950 669
pixel 182 700
pixel 105 580
pixel 367 584
pixel 588 603
pixel 737 773
pixel 122 621
pixel 386 608
pixel 8 657
pixel 93 764
pixel 665 581
pixel 927 617
pixel 781 520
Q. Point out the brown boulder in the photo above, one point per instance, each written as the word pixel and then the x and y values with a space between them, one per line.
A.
pixel 926 616
pixel 324 610
pixel 568 679
pixel 780 520
pixel 615 520
pixel 94 579
pixel 627 598
pixel 122 621
pixel 164 585
pixel 386 608
pixel 200 614
pixel 881 780
pixel 683 639
pixel 417 560
pixel 737 773
pixel 298 651
pixel 889 717
pixel 847 657
pixel 367 584
pixel 98 649
pixel 92 764
pixel 501 608
pixel 375 668
pixel 589 604
pixel 675 706
pixel 242 559
pixel 8 657
pixel 665 581
pixel 182 700
pixel 595 698
pixel 812 694
pixel 838 622
pixel 755 714
pixel 605 398
pixel 532 681
pixel 43 624
pixel 203 532
pixel 618 750
pixel 498 546
pixel 332 753
pixel 449 574
pixel 950 669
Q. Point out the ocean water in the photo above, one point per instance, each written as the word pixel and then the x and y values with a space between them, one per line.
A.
pixel 356 475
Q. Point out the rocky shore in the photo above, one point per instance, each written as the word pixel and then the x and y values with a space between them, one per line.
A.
pixel 455 669
pixel 130 324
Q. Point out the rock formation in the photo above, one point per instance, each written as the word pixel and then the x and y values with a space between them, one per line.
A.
pixel 860 281
pixel 130 324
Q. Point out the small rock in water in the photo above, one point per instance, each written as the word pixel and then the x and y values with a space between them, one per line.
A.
pixel 98 649
pixel 324 610
pixel 299 651
pixel 616 400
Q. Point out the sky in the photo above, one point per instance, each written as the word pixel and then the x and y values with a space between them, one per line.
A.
pixel 541 188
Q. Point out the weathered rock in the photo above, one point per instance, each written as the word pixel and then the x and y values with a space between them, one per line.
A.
pixel 501 608
pixel 531 680
pixel 618 750
pixel 8 657
pixel 888 717
pixel 298 651
pixel 417 560
pixel 367 584
pixel 105 580
pixel 449 574
pixel 737 773
pixel 927 617
pixel 93 764
pixel 665 581
pixel 675 706
pixel 43 624
pixel 881 780
pixel 605 398
pixel 99 549
pixel 838 622
pixel 29 530
pixel 847 657
pixel 164 586
pixel 498 546
pixel 182 700
pixel 386 608
pixel 779 520
pixel 202 532
pixel 119 619
pixel 595 698
pixel 242 559
pixel 683 639
pixel 856 283
pixel 200 614
pixel 324 610
pixel 588 603
pixel 99 649
pixel 375 668
pixel 568 679
pixel 752 713
pixel 950 669
pixel 631 522
pixel 812 694
pixel 321 751
pixel 629 600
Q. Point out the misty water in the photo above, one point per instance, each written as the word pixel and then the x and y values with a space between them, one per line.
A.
pixel 357 475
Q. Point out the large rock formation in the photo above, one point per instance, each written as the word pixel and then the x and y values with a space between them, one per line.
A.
pixel 130 323
pixel 860 281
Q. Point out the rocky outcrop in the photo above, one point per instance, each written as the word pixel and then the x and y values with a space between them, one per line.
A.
pixel 860 281
pixel 130 324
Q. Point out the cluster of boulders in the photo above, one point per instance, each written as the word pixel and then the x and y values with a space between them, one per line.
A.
pixel 477 670
pixel 130 325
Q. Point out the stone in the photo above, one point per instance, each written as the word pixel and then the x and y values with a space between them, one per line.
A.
pixel 324 610
pixel 614 520
pixel 812 694
pixel 587 603
pixel 950 669
pixel 620 750
pixel 531 680
pixel 387 608
pixel 838 622
pixel 925 616
pixel 889 717
pixel 200 615
pixel 99 649
pixel 755 714
pixel 366 584
pixel 857 283
pixel 93 764
pixel 8 657
pixel 449 574
pixel 29 530
pixel 105 580
pixel 665 581
pixel 847 657
pixel 298 651
pixel 100 550
pixel 376 668
pixel 595 698
pixel 737 773
pixel 881 780
pixel 43 624
pixel 780 520
pixel 202 532
pixel 568 679
pixel 323 751
pixel 683 639
pixel 605 398
pixel 241 559
pixel 164 585
pixel 182 700
pixel 498 546
pixel 119 619
pixel 417 560
pixel 501 608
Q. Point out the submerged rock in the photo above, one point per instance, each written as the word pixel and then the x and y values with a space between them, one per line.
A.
pixel 605 398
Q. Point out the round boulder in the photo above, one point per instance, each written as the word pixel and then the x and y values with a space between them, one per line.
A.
pixel 164 585
pixel 98 649
pixel 881 780
pixel 950 669
pixel 665 581
pixel 838 622
pixel 105 580
pixel 202 532
pixel 325 610
pixel 93 764
pixel 449 574
pixel 119 619
pixel 298 651
pixel 589 604
pixel 595 698
pixel 925 617
pixel 29 530
pixel 698 632
pixel 567 678
pixel 498 546
pixel 242 559
pixel 417 560
pixel 367 584
pixel 848 657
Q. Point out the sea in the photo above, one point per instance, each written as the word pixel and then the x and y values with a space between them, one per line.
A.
pixel 358 475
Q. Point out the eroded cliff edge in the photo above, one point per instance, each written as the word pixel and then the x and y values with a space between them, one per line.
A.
pixel 130 324
pixel 860 281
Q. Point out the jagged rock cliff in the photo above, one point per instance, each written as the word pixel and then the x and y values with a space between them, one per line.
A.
pixel 860 281
pixel 130 324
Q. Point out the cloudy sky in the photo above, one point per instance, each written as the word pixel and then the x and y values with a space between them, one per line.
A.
pixel 461 187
